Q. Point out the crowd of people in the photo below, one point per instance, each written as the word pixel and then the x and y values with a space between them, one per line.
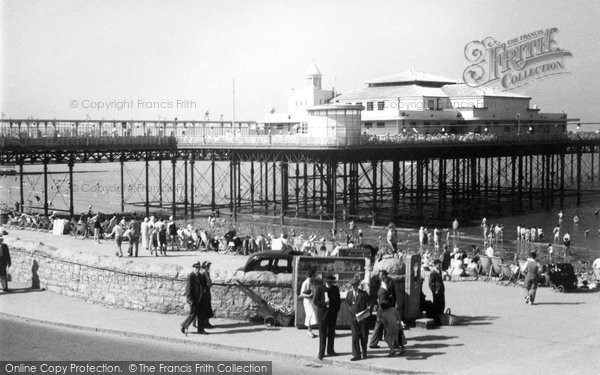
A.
pixel 369 305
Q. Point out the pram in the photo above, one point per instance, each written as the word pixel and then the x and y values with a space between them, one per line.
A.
pixel 562 277
pixel 272 314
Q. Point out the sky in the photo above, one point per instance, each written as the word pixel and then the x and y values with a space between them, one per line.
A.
pixel 120 59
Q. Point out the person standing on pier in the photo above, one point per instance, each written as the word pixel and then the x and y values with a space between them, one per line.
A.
pixel 5 263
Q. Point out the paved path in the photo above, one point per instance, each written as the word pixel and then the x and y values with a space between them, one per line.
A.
pixel 500 333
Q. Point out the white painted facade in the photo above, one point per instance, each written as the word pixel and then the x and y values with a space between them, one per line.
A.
pixel 414 101
pixel 335 121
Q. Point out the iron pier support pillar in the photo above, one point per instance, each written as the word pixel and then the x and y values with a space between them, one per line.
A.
pixel 441 183
pixel 266 192
pixel 333 189
pixel 71 207
pixel 174 196
pixel 122 162
pixel 45 186
pixel 233 184
pixel 374 192
pixel 274 188
pixel 185 187
pixel 160 192
pixel 192 189
pixel 592 167
pixel 147 188
pixel 520 181
pixel 578 175
pixel 395 188
pixel 21 193
pixel 474 179
pixel 305 195
pixel 562 179
pixel 252 188
pixel 283 166
pixel 212 183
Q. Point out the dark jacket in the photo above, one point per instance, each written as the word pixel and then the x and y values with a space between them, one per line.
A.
pixel 357 302
pixel 327 311
pixel 436 284
pixel 193 288
pixel 384 299
pixel 4 259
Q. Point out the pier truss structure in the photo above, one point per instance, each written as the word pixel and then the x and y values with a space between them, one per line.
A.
pixel 287 176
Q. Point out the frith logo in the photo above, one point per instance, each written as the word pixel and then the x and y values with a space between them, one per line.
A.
pixel 516 62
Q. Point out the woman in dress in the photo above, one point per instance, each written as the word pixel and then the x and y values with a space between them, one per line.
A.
pixel 307 292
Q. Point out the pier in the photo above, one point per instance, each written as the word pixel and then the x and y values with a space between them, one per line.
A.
pixel 284 173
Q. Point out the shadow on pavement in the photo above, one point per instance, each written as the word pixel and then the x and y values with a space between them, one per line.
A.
pixel 559 303
pixel 246 330
pixel 476 320
pixel 431 338
pixel 416 351
pixel 24 290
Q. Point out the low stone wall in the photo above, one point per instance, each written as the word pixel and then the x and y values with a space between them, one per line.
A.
pixel 136 285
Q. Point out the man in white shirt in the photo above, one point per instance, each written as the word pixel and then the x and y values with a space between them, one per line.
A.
pixel 489 251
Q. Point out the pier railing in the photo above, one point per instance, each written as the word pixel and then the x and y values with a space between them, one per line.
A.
pixel 87 143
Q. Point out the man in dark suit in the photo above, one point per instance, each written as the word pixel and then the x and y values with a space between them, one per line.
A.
pixel 327 300
pixel 378 329
pixel 4 263
pixel 436 285
pixel 357 302
pixel 193 292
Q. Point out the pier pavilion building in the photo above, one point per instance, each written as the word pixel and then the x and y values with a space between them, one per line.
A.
pixel 423 103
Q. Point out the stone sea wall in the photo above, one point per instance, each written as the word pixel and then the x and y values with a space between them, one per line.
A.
pixel 136 285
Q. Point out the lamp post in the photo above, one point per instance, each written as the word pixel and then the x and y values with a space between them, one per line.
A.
pixel 518 124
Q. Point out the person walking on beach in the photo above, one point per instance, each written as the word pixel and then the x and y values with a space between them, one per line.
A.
pixel 436 285
pixel 455 228
pixel 307 293
pixel 5 263
pixel 145 233
pixel 97 227
pixel 327 300
pixel 392 237
pixel 118 232
pixel 556 232
pixel 134 236
pixel 532 277
pixel 162 238
pixel 193 292
pixel 172 229
pixel 357 302
pixel 567 243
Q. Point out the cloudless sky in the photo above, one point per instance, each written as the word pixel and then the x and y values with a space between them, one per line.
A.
pixel 54 52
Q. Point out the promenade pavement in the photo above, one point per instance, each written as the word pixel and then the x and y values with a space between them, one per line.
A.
pixel 499 333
